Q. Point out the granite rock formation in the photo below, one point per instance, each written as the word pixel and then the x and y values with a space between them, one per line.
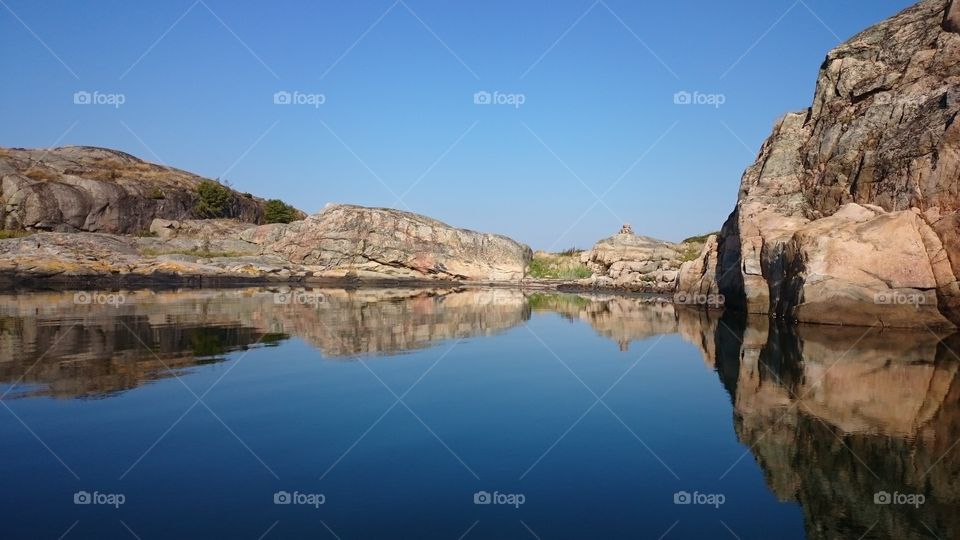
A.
pixel 634 262
pixel 850 213
pixel 88 189
pixel 340 243
pixel 354 241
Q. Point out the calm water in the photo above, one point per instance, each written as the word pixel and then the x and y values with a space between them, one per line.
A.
pixel 393 413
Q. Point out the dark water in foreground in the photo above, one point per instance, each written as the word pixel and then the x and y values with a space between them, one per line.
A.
pixel 470 414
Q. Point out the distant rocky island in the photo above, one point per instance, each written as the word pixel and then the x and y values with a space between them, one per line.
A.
pixel 849 216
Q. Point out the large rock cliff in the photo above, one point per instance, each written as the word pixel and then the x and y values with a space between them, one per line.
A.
pixel 850 213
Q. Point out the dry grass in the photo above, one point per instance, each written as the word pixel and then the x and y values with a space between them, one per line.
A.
pixel 194 252
pixel 13 233
pixel 40 174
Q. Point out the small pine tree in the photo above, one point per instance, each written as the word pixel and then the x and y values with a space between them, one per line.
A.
pixel 277 211
pixel 214 199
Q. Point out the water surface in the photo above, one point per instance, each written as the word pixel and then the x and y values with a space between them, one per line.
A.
pixel 197 413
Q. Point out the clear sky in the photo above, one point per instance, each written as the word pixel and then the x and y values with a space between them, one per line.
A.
pixel 582 134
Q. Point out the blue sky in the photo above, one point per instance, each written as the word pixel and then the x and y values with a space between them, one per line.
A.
pixel 596 141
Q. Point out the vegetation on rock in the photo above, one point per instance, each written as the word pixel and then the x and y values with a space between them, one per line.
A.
pixel 277 211
pixel 214 199
pixel 565 265
pixel 691 247
pixel 13 233
pixel 201 252
pixel 699 239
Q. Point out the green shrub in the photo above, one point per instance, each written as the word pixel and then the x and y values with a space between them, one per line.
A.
pixel 157 193
pixel 277 211
pixel 214 200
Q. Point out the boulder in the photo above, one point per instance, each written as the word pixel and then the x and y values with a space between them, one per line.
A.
pixel 863 266
pixel 856 199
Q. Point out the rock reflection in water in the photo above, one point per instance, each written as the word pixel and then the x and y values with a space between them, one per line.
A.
pixel 836 415
pixel 52 345
pixel 622 319
pixel 831 415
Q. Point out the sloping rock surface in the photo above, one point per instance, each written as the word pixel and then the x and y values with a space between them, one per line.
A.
pixel 88 189
pixel 342 242
pixel 345 240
